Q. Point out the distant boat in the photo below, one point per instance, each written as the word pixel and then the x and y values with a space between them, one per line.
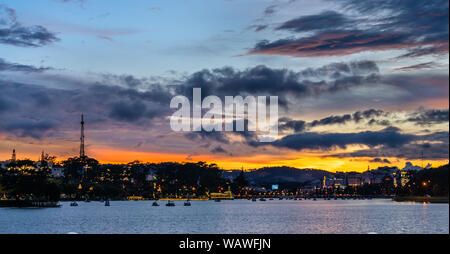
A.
pixel 107 202
pixel 314 199
pixel 73 203
pixel 217 200
pixel 270 198
pixel 280 199
pixel 155 203
pixel 170 203
pixel 262 199
pixel 187 203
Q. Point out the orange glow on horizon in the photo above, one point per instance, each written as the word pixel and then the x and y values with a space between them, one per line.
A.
pixel 311 160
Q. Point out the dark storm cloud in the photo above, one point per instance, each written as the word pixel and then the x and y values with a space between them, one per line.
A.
pixel 301 126
pixel 4 104
pixel 379 122
pixel 417 88
pixel 327 141
pixel 334 43
pixel 360 115
pixel 346 83
pixel 336 70
pixel 127 111
pixel 420 26
pixel 25 106
pixel 152 92
pixel 129 81
pixel 13 33
pixel 363 66
pixel 127 104
pixel 259 80
pixel 262 80
pixel 392 129
pixel 295 125
pixel 409 152
pixel 320 21
pixel 132 81
pixel 440 136
pixel 218 136
pixel 27 127
pixel 379 160
pixel 331 120
pixel 250 137
pixel 429 117
pixel 125 98
pixel 421 117
pixel 432 146
pixel 218 149
pixel 6 66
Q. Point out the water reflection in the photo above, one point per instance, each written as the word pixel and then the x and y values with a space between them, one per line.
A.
pixel 237 216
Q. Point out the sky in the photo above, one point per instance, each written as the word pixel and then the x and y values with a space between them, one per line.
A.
pixel 360 83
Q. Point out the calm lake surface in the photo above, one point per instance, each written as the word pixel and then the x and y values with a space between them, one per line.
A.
pixel 231 216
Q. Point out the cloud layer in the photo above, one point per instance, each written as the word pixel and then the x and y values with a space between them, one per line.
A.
pixel 419 26
pixel 14 33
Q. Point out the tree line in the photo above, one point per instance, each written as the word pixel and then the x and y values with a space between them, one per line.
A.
pixel 87 178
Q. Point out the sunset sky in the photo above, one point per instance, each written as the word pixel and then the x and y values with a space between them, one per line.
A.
pixel 360 83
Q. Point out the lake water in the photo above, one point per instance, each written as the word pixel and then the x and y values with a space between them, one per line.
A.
pixel 231 216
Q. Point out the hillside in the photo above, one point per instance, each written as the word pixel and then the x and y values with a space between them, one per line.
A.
pixel 280 175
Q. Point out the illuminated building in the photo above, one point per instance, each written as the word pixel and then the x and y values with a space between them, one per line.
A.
pixel 220 195
pixel 354 179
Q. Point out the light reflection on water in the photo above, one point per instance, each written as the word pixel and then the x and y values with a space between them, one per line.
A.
pixel 236 216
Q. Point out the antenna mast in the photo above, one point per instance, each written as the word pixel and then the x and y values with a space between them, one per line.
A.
pixel 82 154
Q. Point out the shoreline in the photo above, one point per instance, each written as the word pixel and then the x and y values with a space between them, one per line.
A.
pixel 437 200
